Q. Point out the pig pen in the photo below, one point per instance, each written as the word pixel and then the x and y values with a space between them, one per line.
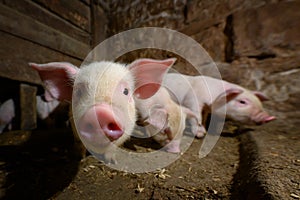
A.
pixel 252 46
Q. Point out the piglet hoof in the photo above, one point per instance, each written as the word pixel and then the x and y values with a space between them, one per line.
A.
pixel 110 158
pixel 200 135
pixel 200 132
pixel 112 161
pixel 173 147
pixel 106 158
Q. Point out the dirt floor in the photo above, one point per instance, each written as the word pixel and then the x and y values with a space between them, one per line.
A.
pixel 272 160
pixel 247 163
pixel 187 178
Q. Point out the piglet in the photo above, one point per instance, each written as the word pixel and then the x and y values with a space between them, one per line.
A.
pixel 205 94
pixel 43 108
pixel 165 118
pixel 7 113
pixel 103 108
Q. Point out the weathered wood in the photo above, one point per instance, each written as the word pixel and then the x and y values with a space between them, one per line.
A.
pixel 15 53
pixel 36 12
pixel 98 21
pixel 88 2
pixel 23 26
pixel 28 107
pixel 74 11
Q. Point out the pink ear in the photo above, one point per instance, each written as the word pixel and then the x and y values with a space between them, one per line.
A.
pixel 58 78
pixel 260 96
pixel 149 74
pixel 227 96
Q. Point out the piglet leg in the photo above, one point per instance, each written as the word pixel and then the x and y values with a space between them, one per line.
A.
pixel 173 146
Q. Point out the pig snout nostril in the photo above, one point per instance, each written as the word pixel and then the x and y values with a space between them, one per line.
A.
pixel 113 131
pixel 109 124
pixel 89 127
pixel 113 127
pixel 100 120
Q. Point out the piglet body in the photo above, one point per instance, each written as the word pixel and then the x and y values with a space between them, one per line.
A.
pixel 166 119
pixel 220 97
pixel 7 113
pixel 103 107
pixel 44 109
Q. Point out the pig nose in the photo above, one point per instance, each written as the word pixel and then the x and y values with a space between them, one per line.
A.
pixel 101 118
pixel 269 118
pixel 263 117
pixel 109 125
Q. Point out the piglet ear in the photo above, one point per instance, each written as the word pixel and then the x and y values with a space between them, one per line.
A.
pixel 227 96
pixel 58 79
pixel 261 96
pixel 148 74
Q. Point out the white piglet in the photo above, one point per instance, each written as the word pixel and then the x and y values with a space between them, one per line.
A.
pixel 165 119
pixel 7 113
pixel 217 96
pixel 101 93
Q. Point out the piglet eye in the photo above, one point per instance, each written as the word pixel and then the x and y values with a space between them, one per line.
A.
pixel 242 102
pixel 125 91
pixel 79 90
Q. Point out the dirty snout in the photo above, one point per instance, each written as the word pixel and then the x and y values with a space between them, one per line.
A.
pixel 251 117
pixel 103 121
pixel 262 117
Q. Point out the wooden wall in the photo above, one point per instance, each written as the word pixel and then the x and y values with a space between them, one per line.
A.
pixel 43 31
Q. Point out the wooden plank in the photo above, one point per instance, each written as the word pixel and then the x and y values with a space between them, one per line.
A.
pixel 28 107
pixel 25 27
pixel 44 16
pixel 98 21
pixel 15 53
pixel 74 11
pixel 88 2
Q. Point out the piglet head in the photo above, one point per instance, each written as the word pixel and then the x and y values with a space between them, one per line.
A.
pixel 102 93
pixel 246 106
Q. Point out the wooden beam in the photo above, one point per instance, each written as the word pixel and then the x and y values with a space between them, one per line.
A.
pixel 36 12
pixel 98 24
pixel 74 11
pixel 28 107
pixel 25 27
pixel 16 53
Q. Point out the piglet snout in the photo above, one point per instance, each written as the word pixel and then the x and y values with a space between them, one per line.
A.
pixel 268 119
pixel 263 117
pixel 101 119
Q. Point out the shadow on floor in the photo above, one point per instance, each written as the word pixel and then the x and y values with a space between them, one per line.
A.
pixel 38 168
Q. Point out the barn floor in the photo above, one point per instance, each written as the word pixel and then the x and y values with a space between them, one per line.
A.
pixel 250 162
